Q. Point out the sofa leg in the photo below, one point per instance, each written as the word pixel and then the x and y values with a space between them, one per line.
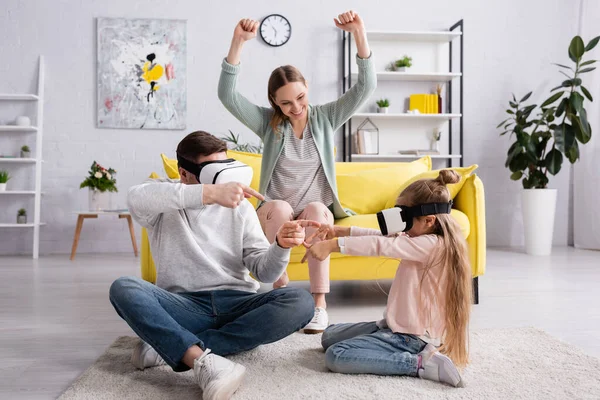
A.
pixel 476 290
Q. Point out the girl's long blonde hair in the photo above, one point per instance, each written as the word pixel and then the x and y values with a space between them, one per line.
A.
pixel 280 77
pixel 452 256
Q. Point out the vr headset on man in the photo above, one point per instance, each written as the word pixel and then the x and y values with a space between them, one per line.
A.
pixel 400 219
pixel 218 171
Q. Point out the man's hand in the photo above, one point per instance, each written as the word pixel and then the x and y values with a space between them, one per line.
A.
pixel 229 194
pixel 292 233
pixel 321 250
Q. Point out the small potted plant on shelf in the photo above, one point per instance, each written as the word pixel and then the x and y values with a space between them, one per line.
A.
pixel 25 152
pixel 236 145
pixel 4 177
pixel 401 64
pixel 100 182
pixel 382 106
pixel 22 216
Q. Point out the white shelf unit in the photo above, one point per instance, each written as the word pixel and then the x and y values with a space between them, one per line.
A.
pixel 36 162
pixel 439 69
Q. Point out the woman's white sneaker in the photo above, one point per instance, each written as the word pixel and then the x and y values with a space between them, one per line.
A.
pixel 319 322
pixel 218 377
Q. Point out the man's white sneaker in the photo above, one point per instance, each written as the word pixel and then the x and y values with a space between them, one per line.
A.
pixel 319 322
pixel 218 377
pixel 438 367
pixel 144 356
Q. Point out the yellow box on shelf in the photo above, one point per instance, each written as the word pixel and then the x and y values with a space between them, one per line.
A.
pixel 425 103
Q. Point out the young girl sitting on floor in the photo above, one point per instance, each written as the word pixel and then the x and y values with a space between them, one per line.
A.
pixel 429 302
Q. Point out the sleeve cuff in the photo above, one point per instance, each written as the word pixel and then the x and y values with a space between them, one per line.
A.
pixel 280 252
pixel 230 68
pixel 364 62
pixel 191 196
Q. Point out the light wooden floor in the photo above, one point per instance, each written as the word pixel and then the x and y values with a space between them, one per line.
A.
pixel 55 317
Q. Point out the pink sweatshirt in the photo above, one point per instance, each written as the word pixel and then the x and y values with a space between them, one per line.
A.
pixel 413 307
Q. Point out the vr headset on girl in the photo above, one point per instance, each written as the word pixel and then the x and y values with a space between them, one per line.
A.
pixel 218 171
pixel 400 219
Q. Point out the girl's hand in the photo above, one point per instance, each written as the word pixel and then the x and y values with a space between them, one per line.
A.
pixel 292 233
pixel 321 250
pixel 245 30
pixel 325 232
pixel 349 22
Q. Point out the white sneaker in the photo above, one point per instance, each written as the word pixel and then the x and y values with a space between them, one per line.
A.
pixel 319 322
pixel 144 356
pixel 218 377
pixel 439 368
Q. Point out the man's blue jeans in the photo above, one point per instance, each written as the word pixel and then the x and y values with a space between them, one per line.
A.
pixel 226 321
pixel 363 348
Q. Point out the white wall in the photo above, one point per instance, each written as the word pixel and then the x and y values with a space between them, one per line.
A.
pixel 509 46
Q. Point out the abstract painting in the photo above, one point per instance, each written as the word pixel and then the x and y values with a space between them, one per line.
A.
pixel 141 73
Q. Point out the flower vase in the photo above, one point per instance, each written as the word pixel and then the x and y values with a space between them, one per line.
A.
pixel 99 201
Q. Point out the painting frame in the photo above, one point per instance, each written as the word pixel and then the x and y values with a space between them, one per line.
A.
pixel 141 73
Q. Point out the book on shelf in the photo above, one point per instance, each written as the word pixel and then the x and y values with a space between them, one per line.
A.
pixel 423 152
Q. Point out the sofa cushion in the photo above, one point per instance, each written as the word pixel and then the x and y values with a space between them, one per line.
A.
pixel 366 191
pixel 370 221
pixel 463 172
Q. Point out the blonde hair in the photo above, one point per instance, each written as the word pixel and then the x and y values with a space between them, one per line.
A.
pixel 280 77
pixel 452 256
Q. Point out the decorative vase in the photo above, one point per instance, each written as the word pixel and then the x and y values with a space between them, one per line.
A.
pixel 99 201
pixel 538 208
pixel 2 187
pixel 22 121
pixel 25 154
pixel 21 219
pixel 382 110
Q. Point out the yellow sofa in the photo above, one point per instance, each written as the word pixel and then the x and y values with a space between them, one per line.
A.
pixel 367 188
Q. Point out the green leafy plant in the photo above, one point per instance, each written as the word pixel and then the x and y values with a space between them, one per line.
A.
pixel 25 149
pixel 383 103
pixel 238 146
pixel 405 61
pixel 100 178
pixel 541 141
pixel 4 176
pixel 21 212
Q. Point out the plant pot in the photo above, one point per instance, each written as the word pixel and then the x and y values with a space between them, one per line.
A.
pixel 21 219
pixel 538 208
pixel 99 201
pixel 400 69
pixel 382 110
pixel 2 187
pixel 25 154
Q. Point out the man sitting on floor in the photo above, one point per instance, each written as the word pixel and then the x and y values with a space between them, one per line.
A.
pixel 206 240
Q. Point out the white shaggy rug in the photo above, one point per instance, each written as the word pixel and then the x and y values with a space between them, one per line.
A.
pixel 505 364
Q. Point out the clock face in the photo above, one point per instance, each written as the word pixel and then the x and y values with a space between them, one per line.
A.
pixel 275 30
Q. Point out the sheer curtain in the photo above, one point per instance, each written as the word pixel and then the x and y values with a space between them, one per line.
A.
pixel 586 177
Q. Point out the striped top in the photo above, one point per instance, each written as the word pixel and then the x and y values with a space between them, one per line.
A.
pixel 298 177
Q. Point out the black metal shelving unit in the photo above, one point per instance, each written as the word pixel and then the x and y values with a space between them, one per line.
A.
pixel 346 70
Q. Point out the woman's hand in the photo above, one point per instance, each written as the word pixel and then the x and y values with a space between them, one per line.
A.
pixel 350 22
pixel 321 250
pixel 245 30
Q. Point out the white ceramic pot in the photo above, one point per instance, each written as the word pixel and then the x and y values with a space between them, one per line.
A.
pixel 25 154
pixel 2 187
pixel 21 219
pixel 382 110
pixel 99 201
pixel 538 208
pixel 401 69
pixel 22 121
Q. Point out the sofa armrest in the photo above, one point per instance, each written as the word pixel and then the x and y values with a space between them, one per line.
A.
pixel 471 201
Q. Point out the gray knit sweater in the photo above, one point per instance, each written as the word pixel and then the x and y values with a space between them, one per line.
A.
pixel 199 247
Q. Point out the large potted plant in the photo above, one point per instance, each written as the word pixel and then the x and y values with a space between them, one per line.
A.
pixel 101 183
pixel 542 141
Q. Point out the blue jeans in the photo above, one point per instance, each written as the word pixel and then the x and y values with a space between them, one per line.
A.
pixel 226 321
pixel 363 348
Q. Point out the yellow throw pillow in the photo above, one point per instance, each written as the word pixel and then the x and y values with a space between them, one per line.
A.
pixel 463 172
pixel 170 166
pixel 367 191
